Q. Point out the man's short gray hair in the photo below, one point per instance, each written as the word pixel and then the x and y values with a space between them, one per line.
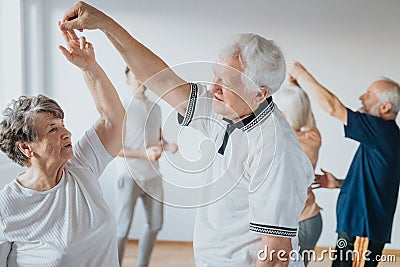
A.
pixel 17 124
pixel 262 60
pixel 295 104
pixel 391 94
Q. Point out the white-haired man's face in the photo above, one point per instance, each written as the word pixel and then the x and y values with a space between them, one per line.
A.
pixel 370 99
pixel 231 99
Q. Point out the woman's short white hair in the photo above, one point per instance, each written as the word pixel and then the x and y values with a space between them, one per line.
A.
pixel 261 59
pixel 295 105
pixel 391 94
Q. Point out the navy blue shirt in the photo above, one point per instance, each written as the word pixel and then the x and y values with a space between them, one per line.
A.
pixel 368 196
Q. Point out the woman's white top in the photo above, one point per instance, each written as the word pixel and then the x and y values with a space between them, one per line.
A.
pixel 68 225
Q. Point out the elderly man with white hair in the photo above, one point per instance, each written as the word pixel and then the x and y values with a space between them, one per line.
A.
pixel 260 174
pixel 368 196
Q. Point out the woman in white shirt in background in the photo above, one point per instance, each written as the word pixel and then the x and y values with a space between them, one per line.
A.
pixel 53 213
pixel 295 105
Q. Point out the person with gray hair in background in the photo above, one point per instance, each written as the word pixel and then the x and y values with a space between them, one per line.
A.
pixel 295 106
pixel 368 196
pixel 257 183
pixel 53 213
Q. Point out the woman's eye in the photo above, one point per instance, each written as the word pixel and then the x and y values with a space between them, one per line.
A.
pixel 52 130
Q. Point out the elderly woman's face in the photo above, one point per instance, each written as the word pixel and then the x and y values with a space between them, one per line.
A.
pixel 54 140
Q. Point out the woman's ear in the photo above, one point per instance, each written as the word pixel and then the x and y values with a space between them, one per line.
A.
pixel 25 149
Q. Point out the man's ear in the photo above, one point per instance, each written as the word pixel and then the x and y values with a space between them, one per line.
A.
pixel 385 108
pixel 261 95
pixel 25 149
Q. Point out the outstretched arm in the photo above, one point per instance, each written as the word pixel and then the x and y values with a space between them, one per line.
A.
pixel 110 124
pixel 152 153
pixel 326 99
pixel 141 61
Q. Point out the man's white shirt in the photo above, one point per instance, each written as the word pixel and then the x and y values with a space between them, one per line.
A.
pixel 259 182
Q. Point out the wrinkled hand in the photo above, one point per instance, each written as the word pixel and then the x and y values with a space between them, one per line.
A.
pixel 154 152
pixel 83 16
pixel 294 71
pixel 79 52
pixel 325 180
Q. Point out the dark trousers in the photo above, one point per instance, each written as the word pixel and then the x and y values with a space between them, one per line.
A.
pixel 346 245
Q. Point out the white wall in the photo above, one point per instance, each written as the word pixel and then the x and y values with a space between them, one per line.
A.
pixel 10 51
pixel 345 44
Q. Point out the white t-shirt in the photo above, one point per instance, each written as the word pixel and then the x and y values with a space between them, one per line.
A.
pixel 142 129
pixel 260 179
pixel 68 225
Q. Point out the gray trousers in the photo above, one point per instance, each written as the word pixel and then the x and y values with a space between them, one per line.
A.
pixel 309 233
pixel 127 193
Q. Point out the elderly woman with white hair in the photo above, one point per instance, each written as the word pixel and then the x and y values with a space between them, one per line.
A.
pixel 295 105
pixel 53 213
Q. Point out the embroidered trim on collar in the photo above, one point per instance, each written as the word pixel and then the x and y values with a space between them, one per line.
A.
pixel 259 115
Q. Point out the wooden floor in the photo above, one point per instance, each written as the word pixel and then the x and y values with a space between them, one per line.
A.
pixel 180 254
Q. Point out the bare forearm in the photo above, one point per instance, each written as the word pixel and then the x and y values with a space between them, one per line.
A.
pixel 142 62
pixel 327 100
pixel 105 96
pixel 147 66
pixel 129 153
pixel 109 126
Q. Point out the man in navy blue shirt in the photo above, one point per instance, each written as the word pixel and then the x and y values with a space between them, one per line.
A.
pixel 368 196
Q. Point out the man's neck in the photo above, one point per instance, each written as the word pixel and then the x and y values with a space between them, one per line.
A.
pixel 388 116
pixel 242 117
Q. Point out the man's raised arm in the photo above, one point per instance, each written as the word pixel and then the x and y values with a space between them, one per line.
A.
pixel 141 60
pixel 326 99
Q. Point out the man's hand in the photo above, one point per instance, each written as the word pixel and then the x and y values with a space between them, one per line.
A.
pixel 79 52
pixel 83 16
pixel 295 71
pixel 154 152
pixel 278 251
pixel 326 180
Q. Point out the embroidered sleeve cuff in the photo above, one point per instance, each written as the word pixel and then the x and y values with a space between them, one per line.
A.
pixel 184 121
pixel 273 230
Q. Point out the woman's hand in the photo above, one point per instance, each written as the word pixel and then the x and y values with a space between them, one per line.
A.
pixel 326 180
pixel 79 52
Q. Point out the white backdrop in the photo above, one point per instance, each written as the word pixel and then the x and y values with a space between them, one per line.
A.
pixel 345 44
